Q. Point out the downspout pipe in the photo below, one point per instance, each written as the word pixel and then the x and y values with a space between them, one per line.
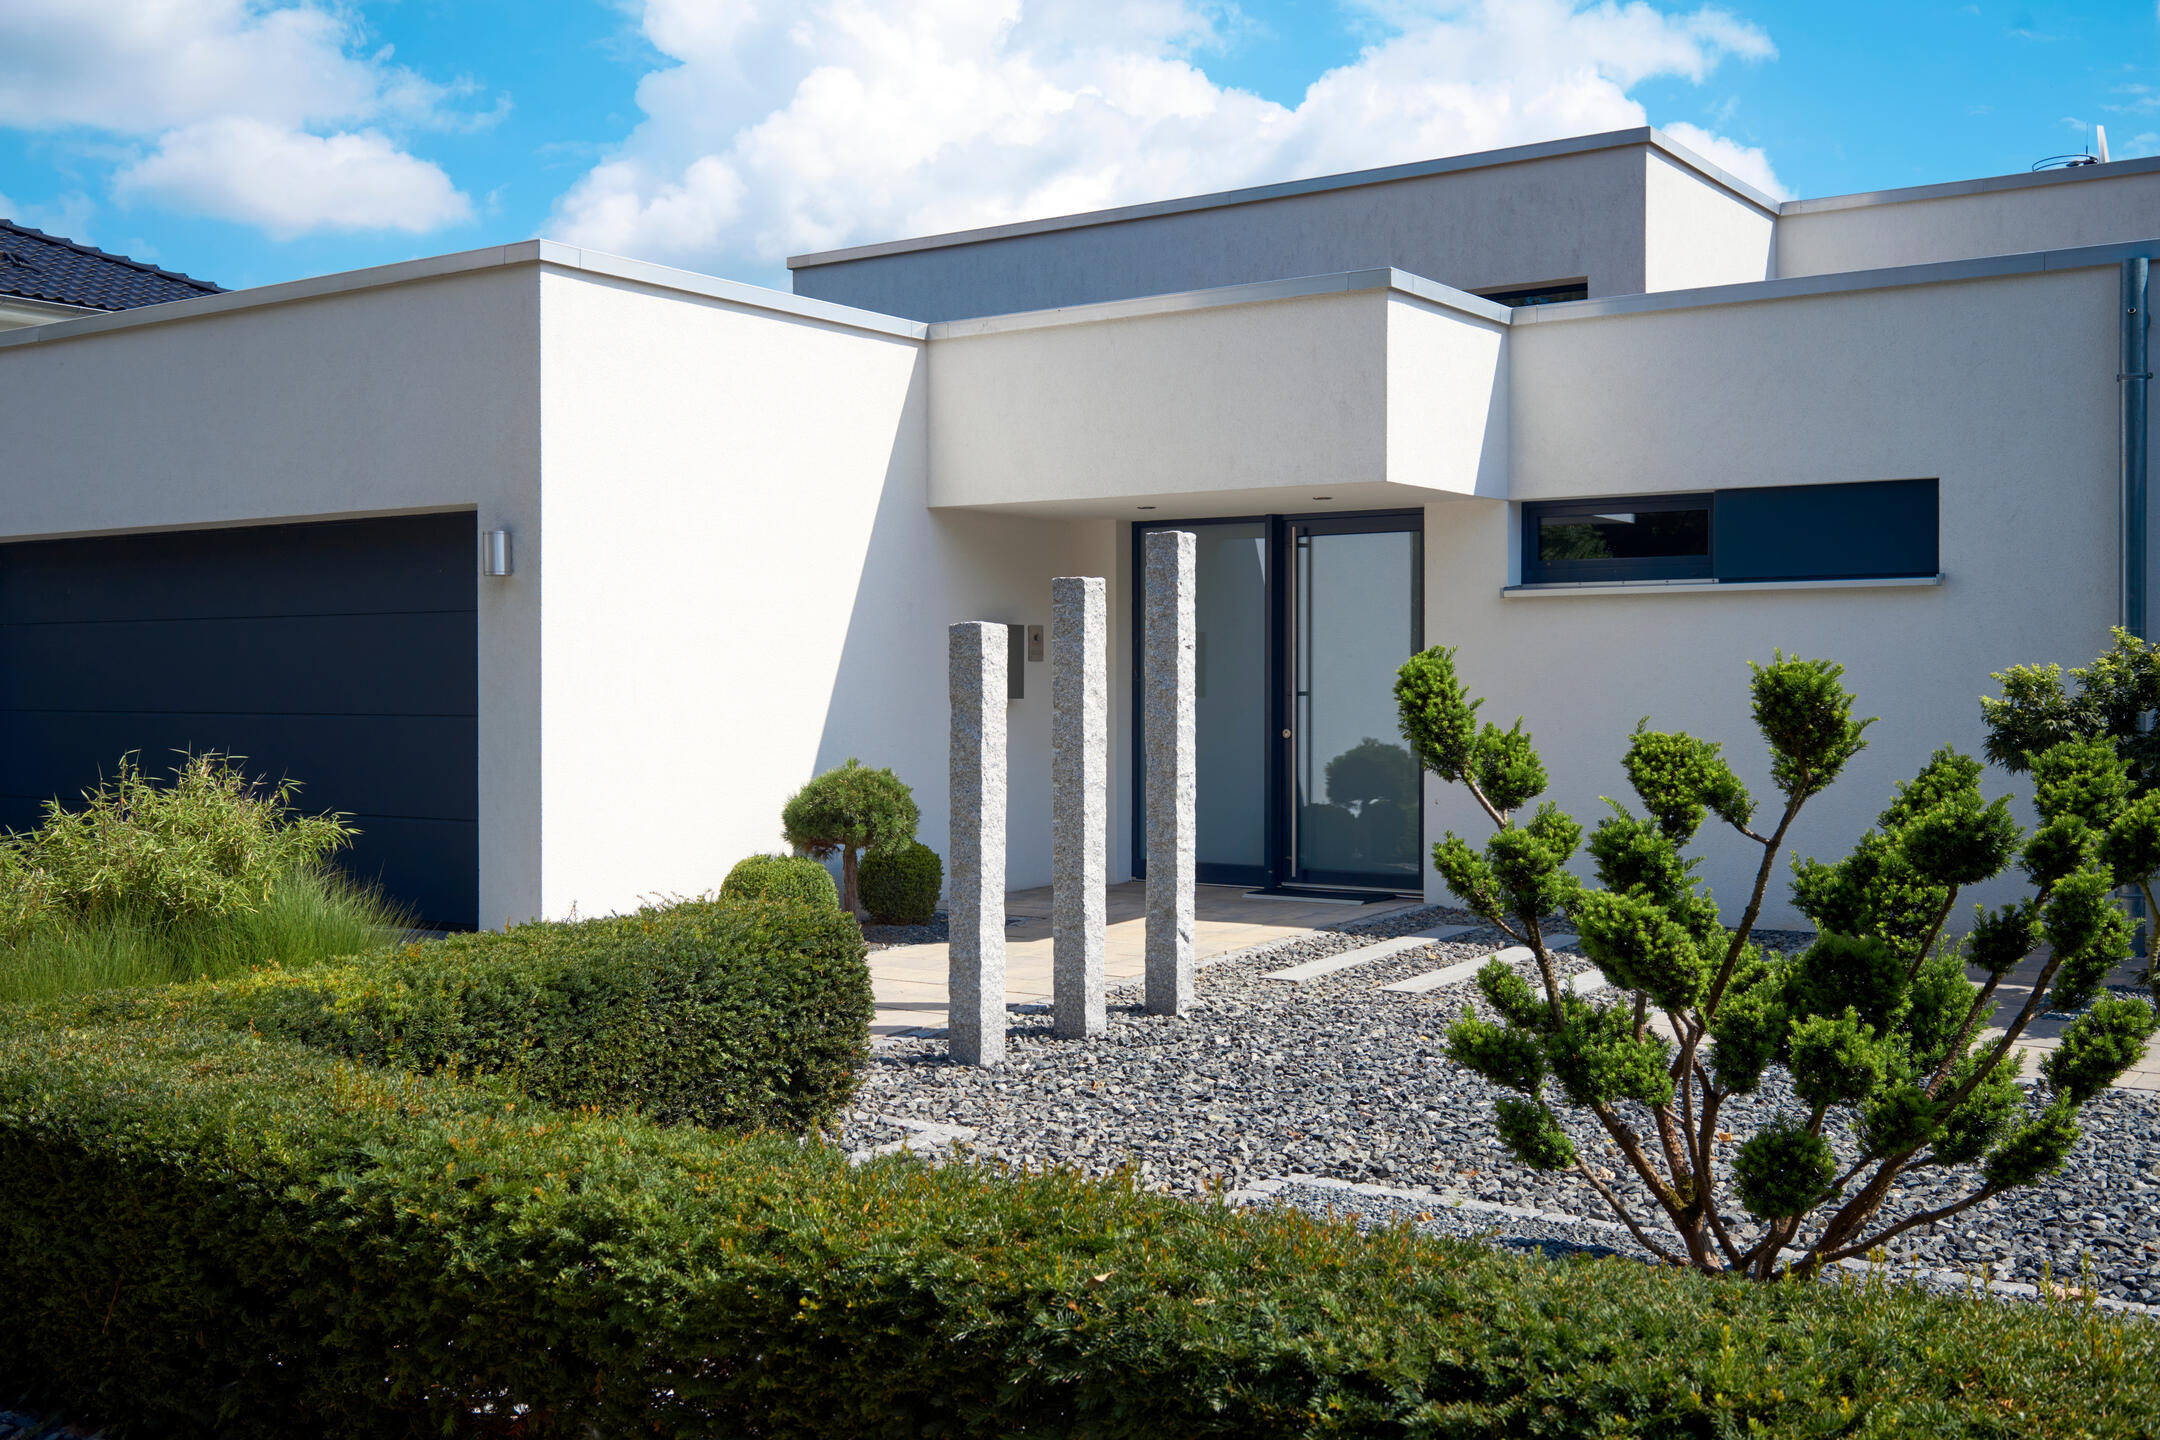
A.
pixel 2134 380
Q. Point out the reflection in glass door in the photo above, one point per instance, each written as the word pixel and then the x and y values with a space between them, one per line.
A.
pixel 1354 611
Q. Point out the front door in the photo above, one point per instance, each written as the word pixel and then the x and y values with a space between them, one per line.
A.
pixel 1302 622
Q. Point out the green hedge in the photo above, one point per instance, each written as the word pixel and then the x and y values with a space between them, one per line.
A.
pixel 796 878
pixel 205 1231
pixel 900 886
pixel 719 1013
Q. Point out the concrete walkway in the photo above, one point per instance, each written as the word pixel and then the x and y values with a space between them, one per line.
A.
pixel 909 980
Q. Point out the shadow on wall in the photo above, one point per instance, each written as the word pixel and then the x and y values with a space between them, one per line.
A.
pixel 923 571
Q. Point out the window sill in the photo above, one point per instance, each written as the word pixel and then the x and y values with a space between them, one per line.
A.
pixel 1560 588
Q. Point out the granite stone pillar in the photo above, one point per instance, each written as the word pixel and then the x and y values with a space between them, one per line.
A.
pixel 975 858
pixel 1168 631
pixel 1079 802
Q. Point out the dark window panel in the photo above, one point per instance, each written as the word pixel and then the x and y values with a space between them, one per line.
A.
pixel 1869 530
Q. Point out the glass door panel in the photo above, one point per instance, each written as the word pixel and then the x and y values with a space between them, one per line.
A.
pixel 1354 785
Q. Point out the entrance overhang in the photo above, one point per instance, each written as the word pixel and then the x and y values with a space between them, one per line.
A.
pixel 1369 390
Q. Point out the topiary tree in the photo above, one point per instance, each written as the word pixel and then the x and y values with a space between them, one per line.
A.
pixel 850 810
pixel 900 885
pixel 1872 1033
pixel 796 879
pixel 2112 700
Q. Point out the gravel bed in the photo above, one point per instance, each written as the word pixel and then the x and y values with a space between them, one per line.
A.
pixel 1340 1080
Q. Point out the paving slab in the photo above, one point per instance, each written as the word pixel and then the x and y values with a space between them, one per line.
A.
pixel 1467 969
pixel 1316 969
pixel 1456 974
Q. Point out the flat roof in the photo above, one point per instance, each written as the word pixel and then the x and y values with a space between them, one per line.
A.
pixel 524 252
pixel 2066 175
pixel 1416 170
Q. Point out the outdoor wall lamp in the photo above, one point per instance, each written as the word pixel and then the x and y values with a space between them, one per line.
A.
pixel 495 552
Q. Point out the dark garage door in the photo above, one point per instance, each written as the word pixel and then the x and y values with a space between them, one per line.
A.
pixel 342 655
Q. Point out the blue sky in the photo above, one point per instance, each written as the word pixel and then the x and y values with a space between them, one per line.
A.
pixel 249 141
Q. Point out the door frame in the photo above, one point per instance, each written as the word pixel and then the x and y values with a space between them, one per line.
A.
pixel 1279 778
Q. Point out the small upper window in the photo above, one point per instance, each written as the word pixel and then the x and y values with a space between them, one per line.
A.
pixel 1663 537
pixel 1539 294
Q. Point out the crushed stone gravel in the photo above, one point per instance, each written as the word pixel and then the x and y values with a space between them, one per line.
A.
pixel 1337 1079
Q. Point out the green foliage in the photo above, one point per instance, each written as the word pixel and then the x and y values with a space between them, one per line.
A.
pixel 848 811
pixel 2097 1047
pixel 1508 1056
pixel 1896 886
pixel 1805 715
pixel 792 879
pixel 1985 1114
pixel 210 843
pixel 1836 1060
pixel 1531 1136
pixel 2089 934
pixel 1678 777
pixel 900 886
pixel 2108 699
pixel 1838 972
pixel 308 918
pixel 2036 1148
pixel 1640 946
pixel 1595 1056
pixel 1783 1169
pixel 1439 721
pixel 722 1013
pixel 1876 1024
pixel 207 874
pixel 204 1231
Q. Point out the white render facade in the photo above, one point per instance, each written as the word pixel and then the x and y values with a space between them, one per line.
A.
pixel 743 520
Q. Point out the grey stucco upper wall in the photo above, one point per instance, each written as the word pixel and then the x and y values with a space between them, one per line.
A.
pixel 1570 211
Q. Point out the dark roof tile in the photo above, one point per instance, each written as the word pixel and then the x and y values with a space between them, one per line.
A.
pixel 37 266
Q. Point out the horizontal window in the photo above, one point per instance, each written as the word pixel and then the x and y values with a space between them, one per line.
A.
pixel 1880 529
pixel 1662 538
pixel 1539 294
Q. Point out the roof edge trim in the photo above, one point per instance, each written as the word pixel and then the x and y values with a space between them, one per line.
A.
pixel 524 252
pixel 1256 293
pixel 1349 180
pixel 2113 170
pixel 1939 272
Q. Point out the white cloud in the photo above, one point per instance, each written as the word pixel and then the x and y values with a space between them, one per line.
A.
pixel 288 182
pixel 1747 162
pixel 212 84
pixel 782 129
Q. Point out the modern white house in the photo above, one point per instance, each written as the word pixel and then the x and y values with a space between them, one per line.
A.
pixel 1596 413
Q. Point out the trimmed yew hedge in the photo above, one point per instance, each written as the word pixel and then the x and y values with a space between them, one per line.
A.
pixel 205 1231
pixel 726 1014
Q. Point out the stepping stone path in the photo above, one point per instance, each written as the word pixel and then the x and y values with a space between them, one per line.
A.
pixel 1456 974
pixel 1315 969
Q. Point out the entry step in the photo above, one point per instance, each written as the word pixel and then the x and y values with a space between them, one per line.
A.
pixel 1315 969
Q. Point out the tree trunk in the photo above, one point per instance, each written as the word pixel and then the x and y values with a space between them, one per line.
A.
pixel 850 899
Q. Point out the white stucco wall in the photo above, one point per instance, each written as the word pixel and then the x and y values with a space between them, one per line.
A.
pixel 2055 210
pixel 318 400
pixel 745 587
pixel 1447 400
pixel 1698 233
pixel 2002 388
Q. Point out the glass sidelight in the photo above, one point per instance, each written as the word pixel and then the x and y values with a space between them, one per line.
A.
pixel 1302 623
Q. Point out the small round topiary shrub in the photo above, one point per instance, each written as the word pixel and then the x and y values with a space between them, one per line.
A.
pixel 900 886
pixel 781 877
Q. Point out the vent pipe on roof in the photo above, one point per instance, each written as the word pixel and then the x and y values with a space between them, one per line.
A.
pixel 2135 381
